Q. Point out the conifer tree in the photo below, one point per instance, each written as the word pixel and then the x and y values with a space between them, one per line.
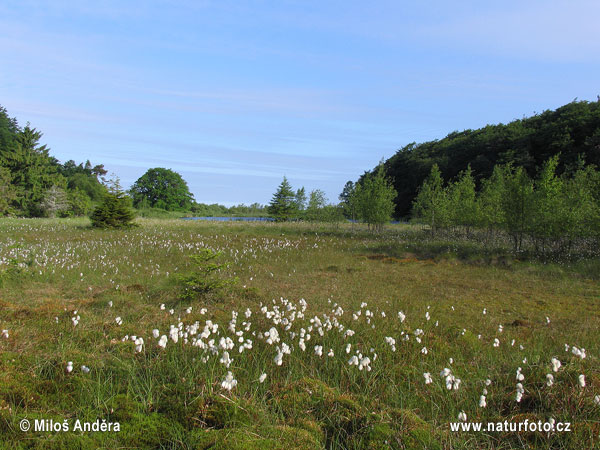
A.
pixel 283 204
pixel 115 210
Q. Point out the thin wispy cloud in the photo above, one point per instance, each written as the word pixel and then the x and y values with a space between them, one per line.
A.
pixel 240 93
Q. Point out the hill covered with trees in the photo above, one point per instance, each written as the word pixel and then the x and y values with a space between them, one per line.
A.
pixel 573 131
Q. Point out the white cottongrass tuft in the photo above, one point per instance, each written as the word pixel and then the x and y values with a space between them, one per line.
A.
pixel 262 378
pixel 69 366
pixel 462 416
pixel 482 402
pixel 162 342
pixel 139 345
pixel 555 364
pixel 428 379
pixel 229 382
pixel 520 392
pixel 520 376
pixel 225 359
pixel 581 380
pixel 278 358
pixel 549 379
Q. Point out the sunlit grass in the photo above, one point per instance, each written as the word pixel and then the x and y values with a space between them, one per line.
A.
pixel 174 397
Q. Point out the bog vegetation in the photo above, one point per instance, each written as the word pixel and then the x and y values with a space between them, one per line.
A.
pixel 296 334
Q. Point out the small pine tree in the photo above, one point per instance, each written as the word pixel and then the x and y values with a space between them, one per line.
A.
pixel 115 210
pixel 283 205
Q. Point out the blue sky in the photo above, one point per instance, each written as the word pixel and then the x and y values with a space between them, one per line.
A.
pixel 235 94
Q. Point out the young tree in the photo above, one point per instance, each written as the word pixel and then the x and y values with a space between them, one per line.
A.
pixel 316 203
pixel 300 199
pixel 431 203
pixel 162 188
pixel 462 201
pixel 375 199
pixel 517 205
pixel 490 212
pixel 283 204
pixel 581 205
pixel 115 210
pixel 547 203
pixel 348 200
pixel 55 201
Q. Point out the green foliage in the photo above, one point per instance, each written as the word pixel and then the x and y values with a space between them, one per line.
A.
pixel 32 181
pixel 517 203
pixel 205 276
pixel 551 213
pixel 374 199
pixel 348 200
pixel 8 192
pixel 283 205
pixel 32 169
pixel 79 203
pixel 431 203
pixel 572 130
pixel 114 211
pixel 462 205
pixel 491 213
pixel 87 184
pixel 301 199
pixel 316 203
pixel 162 188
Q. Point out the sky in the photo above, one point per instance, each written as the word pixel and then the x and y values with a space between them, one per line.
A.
pixel 234 95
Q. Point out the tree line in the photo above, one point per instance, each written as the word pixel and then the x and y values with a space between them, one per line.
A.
pixel 572 130
pixel 370 201
pixel 547 212
pixel 35 184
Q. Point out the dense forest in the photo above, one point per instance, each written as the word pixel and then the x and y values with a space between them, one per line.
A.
pixel 35 184
pixel 573 131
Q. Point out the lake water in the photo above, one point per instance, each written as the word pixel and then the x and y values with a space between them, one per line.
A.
pixel 232 219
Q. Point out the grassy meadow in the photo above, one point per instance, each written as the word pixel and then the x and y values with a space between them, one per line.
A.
pixel 327 337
